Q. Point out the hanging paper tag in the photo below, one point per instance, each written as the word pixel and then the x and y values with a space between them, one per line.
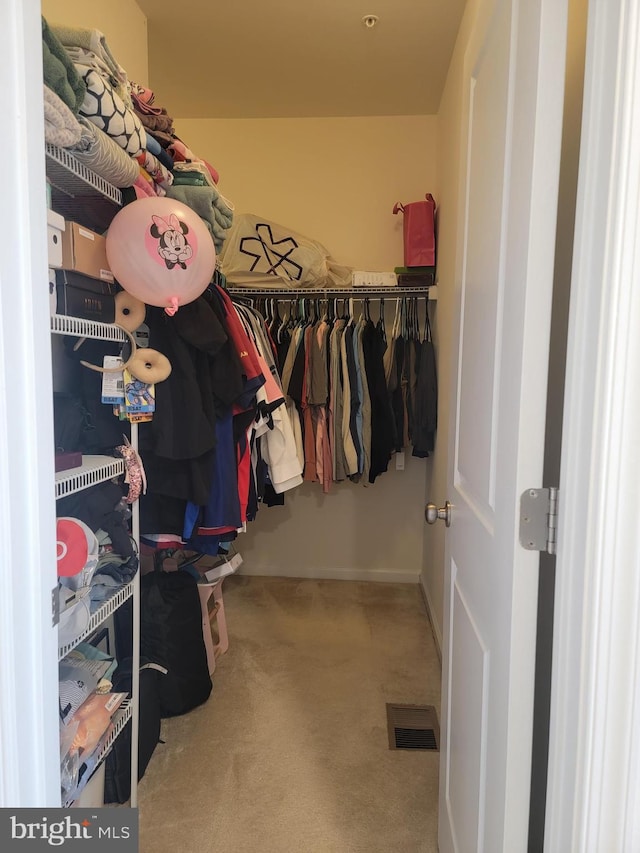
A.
pixel 141 336
pixel 140 398
pixel 112 383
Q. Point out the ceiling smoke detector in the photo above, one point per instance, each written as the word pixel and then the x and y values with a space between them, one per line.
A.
pixel 370 21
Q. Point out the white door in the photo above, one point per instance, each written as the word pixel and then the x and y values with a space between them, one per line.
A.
pixel 512 92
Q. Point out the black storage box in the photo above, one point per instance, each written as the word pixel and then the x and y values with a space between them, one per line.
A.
pixel 78 295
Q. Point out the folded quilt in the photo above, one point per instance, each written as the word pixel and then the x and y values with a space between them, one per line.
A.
pixel 102 154
pixel 61 127
pixel 104 107
pixel 154 167
pixel 59 72
pixel 86 46
pixel 213 209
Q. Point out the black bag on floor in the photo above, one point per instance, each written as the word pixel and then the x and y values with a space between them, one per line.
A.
pixel 117 780
pixel 171 634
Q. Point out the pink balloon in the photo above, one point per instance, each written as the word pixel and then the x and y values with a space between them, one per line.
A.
pixel 161 252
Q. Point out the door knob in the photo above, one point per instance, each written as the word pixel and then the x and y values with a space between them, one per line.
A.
pixel 432 513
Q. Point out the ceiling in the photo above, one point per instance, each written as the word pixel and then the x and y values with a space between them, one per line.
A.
pixel 296 58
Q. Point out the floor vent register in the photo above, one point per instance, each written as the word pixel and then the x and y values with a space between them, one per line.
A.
pixel 413 727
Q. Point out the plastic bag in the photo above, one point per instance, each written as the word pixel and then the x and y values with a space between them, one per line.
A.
pixel 261 253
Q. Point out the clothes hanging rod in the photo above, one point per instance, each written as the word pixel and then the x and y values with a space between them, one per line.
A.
pixel 353 293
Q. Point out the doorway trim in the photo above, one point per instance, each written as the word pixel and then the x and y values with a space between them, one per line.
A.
pixel 594 756
pixel 29 737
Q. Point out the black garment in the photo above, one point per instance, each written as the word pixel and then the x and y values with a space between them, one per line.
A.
pixel 396 395
pixel 426 405
pixel 177 445
pixel 382 431
pixel 100 508
pixel 353 389
pixel 101 430
pixel 297 373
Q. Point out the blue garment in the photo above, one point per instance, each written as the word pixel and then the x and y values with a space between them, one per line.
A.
pixel 223 507
pixel 153 145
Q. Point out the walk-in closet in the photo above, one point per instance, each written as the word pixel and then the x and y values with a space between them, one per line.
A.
pixel 292 400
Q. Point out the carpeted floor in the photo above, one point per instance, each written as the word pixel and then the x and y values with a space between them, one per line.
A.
pixel 290 754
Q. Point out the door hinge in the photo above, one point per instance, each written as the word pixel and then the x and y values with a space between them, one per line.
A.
pixel 55 606
pixel 539 519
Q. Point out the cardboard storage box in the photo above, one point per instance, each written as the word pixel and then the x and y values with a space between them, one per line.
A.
pixel 78 295
pixel 55 229
pixel 85 251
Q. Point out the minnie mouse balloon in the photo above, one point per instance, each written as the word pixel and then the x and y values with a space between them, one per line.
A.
pixel 161 252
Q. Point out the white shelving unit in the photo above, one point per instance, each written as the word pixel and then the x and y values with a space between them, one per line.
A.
pixel 63 325
pixel 94 470
pixel 82 196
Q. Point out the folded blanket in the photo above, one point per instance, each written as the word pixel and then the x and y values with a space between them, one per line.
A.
pixel 85 47
pixel 213 209
pixel 165 139
pixel 162 121
pixel 102 154
pixel 104 107
pixel 61 127
pixel 154 167
pixel 59 73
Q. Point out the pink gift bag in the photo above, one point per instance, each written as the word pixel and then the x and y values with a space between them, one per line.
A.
pixel 419 232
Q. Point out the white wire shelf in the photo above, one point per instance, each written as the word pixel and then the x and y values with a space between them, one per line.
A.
pixel 76 326
pixel 78 193
pixel 94 470
pixel 119 721
pixel 353 292
pixel 106 609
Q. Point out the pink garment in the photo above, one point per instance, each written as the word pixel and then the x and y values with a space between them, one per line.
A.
pixel 180 152
pixel 213 172
pixel 327 450
pixel 143 189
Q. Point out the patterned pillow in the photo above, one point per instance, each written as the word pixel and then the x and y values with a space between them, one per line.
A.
pixel 104 107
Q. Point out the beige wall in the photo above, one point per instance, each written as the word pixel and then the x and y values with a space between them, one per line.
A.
pixel 122 22
pixel 332 179
pixel 336 180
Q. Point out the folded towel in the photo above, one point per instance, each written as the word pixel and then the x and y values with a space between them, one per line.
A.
pixel 61 127
pixel 181 153
pixel 100 152
pixel 213 209
pixel 83 45
pixel 104 107
pixel 59 73
pixel 194 173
